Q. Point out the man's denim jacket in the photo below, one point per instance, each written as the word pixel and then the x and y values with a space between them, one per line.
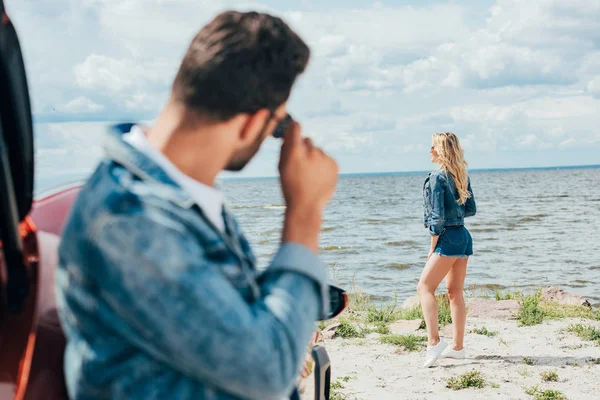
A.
pixel 156 303
pixel 440 205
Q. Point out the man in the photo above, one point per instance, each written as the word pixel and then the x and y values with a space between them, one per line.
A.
pixel 157 286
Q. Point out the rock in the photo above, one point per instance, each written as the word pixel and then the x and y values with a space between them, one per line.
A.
pixel 411 302
pixel 487 308
pixel 331 327
pixel 405 326
pixel 329 332
pixel 329 335
pixel 556 295
pixel 373 335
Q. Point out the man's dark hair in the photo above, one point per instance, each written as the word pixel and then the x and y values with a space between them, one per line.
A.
pixel 240 63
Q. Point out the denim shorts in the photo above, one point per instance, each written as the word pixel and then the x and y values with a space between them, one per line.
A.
pixel 455 241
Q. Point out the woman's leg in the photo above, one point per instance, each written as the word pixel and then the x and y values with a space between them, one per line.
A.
pixel 435 270
pixel 455 282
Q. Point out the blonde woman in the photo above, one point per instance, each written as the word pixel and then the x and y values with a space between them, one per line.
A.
pixel 448 199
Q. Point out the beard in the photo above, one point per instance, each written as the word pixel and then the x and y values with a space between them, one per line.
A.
pixel 242 157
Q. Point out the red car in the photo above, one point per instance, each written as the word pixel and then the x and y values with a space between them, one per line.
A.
pixel 31 338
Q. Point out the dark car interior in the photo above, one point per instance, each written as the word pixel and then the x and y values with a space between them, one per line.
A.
pixel 31 340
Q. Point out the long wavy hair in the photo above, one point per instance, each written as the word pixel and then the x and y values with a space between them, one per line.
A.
pixel 452 160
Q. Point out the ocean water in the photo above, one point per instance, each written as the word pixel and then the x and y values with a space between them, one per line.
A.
pixel 533 228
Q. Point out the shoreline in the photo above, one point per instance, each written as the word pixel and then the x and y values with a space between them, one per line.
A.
pixel 543 345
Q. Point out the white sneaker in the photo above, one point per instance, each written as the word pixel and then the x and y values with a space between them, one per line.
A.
pixel 454 354
pixel 434 352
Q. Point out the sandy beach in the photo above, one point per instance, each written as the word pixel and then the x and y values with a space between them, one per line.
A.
pixel 510 359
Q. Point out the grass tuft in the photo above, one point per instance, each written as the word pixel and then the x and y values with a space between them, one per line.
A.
pixel 472 379
pixel 382 329
pixel 560 311
pixel 533 309
pixel 408 342
pixel 545 394
pixel 335 387
pixel 523 371
pixel 484 331
pixel 530 313
pixel 549 376
pixel 527 360
pixel 585 332
pixel 411 313
pixel 383 314
pixel 444 314
pixel 508 295
pixel 359 301
pixel 532 390
pixel 348 330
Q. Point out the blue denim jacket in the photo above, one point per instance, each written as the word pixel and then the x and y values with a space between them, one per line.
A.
pixel 440 205
pixel 156 303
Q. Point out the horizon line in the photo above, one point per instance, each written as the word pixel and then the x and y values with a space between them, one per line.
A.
pixel 415 172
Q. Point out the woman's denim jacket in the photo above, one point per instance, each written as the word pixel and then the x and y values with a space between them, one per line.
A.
pixel 440 205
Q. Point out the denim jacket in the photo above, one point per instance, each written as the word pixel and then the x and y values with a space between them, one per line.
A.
pixel 156 303
pixel 440 205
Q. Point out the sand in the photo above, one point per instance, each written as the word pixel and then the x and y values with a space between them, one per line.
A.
pixel 377 371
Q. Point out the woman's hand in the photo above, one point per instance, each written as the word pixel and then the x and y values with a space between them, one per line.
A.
pixel 434 241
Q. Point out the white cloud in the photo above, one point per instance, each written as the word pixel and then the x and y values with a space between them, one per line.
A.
pixel 527 140
pixel 382 78
pixel 369 123
pixel 396 28
pixel 568 143
pixel 332 46
pixel 593 86
pixel 553 108
pixel 67 151
pixel 516 47
pixel 80 104
pixel 143 101
pixel 104 73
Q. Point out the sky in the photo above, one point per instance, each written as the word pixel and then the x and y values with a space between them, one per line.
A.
pixel 518 81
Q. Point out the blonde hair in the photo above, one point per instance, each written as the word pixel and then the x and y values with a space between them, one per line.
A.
pixel 452 160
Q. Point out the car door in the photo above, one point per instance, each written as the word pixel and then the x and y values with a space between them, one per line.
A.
pixel 27 257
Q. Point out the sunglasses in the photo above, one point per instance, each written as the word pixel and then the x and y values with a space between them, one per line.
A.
pixel 282 126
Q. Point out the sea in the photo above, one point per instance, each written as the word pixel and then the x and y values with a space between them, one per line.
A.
pixel 534 228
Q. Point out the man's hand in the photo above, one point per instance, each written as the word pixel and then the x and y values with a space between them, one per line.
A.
pixel 308 180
